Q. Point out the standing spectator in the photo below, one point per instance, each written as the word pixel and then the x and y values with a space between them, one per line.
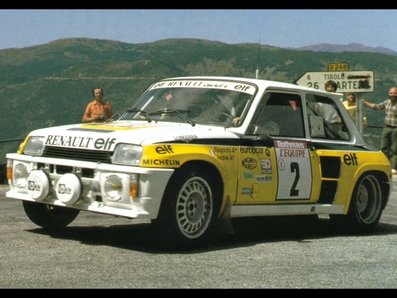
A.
pixel 98 110
pixel 351 107
pixel 389 134
pixel 331 86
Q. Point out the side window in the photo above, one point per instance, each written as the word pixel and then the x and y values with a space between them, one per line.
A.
pixel 279 114
pixel 324 118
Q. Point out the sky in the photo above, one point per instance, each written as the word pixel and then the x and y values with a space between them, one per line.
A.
pixel 287 28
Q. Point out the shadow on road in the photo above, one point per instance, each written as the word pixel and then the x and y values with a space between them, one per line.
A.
pixel 248 232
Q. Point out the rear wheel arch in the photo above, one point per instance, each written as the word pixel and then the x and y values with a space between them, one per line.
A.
pixel 384 184
pixel 368 199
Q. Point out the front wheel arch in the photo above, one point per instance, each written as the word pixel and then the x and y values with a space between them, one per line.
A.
pixel 183 215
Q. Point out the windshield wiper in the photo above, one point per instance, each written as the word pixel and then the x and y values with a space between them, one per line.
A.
pixel 177 113
pixel 141 112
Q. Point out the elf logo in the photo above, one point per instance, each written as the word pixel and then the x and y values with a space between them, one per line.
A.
pixel 166 149
pixel 350 159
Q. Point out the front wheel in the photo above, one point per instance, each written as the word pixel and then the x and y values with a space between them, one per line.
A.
pixel 189 207
pixel 48 216
pixel 365 207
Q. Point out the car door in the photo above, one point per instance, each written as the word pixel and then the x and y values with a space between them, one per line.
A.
pixel 278 165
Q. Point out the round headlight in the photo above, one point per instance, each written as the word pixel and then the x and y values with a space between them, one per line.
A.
pixel 113 188
pixel 20 175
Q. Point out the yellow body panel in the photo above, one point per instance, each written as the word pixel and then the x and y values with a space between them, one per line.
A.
pixel 252 175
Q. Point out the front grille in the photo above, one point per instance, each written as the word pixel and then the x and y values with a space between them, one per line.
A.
pixel 78 154
pixel 61 170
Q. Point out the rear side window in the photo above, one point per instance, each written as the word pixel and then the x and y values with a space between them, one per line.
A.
pixel 324 118
pixel 279 114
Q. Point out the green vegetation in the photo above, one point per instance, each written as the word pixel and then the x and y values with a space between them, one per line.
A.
pixel 50 84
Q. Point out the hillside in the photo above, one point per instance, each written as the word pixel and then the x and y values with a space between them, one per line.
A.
pixel 50 84
pixel 351 47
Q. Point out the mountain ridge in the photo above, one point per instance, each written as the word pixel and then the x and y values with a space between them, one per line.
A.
pixel 350 47
pixel 319 47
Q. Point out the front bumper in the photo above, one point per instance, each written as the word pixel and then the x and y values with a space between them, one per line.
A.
pixel 84 185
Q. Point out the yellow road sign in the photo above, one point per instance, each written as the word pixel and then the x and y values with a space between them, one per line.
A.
pixel 338 67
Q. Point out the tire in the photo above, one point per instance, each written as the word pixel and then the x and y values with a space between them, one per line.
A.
pixel 48 216
pixel 189 208
pixel 365 207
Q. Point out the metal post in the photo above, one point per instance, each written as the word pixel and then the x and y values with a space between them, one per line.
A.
pixel 359 118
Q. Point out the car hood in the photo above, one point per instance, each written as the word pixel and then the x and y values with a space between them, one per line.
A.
pixel 105 136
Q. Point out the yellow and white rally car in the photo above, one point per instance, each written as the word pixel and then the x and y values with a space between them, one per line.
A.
pixel 193 151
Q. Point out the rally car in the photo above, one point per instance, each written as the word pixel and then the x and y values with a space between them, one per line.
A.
pixel 192 152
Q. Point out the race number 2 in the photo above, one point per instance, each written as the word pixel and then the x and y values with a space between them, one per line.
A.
pixel 294 171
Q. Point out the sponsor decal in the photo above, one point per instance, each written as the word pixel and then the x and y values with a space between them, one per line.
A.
pixel 224 153
pixel 161 162
pixel 91 129
pixel 240 87
pixel 264 178
pixel 252 150
pixel 186 138
pixel 290 144
pixel 249 163
pixel 166 149
pixel 291 149
pixel 80 142
pixel 32 185
pixel 294 177
pixel 225 157
pixel 246 191
pixel 281 164
pixel 266 166
pixel 350 159
pixel 223 150
pixel 63 189
pixel 248 175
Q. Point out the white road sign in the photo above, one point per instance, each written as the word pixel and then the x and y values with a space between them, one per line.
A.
pixel 347 81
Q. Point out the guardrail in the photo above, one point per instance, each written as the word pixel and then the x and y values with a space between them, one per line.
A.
pixel 11 140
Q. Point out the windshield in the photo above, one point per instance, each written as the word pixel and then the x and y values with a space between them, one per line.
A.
pixel 196 102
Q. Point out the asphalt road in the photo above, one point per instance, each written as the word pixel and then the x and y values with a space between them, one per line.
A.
pixel 98 251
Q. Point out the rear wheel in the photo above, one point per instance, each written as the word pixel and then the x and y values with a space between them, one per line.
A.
pixel 48 216
pixel 365 207
pixel 189 208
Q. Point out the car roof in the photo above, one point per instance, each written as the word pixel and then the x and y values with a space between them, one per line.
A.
pixel 259 82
